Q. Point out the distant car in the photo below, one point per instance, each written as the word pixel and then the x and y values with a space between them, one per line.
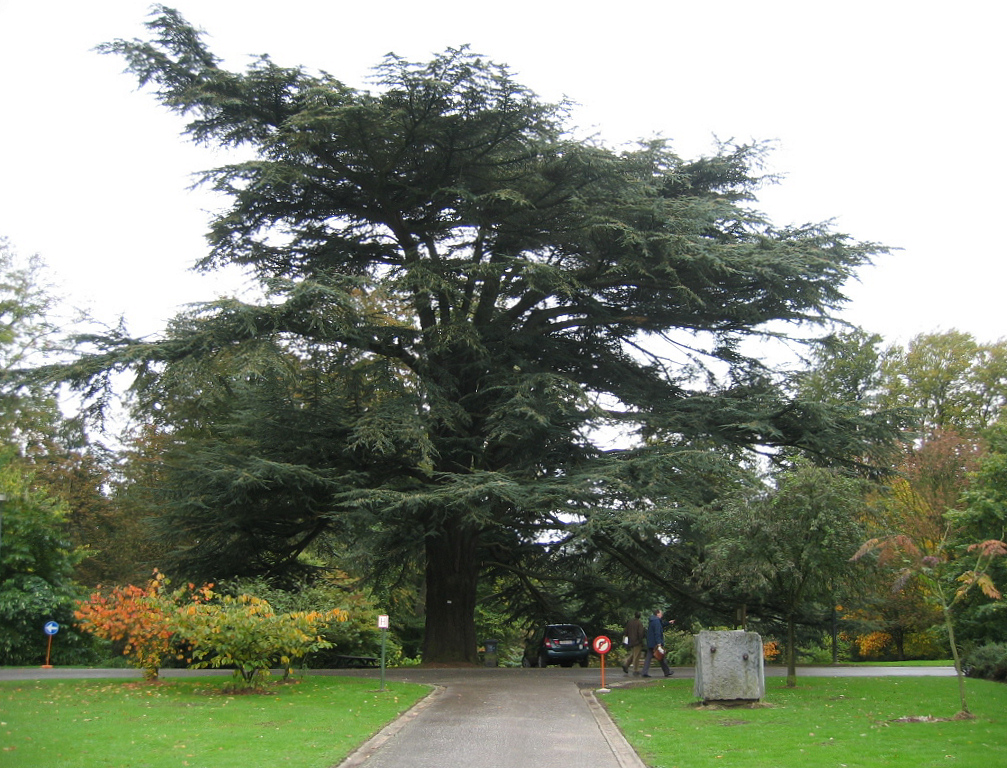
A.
pixel 561 644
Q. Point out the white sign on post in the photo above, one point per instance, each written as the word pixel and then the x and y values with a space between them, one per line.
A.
pixel 383 625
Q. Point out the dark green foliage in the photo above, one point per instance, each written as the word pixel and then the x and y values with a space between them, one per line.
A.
pixel 785 552
pixel 987 661
pixel 846 369
pixel 37 557
pixel 984 518
pixel 357 636
pixel 36 574
pixel 459 297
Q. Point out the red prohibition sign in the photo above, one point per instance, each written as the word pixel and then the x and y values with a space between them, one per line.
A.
pixel 602 645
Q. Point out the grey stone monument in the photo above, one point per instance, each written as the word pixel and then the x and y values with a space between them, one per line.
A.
pixel 729 666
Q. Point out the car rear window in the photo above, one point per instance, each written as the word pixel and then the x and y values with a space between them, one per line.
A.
pixel 565 632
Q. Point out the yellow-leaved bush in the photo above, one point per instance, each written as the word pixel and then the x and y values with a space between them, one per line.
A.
pixel 245 632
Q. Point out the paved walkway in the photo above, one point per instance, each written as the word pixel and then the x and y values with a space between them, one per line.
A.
pixel 499 718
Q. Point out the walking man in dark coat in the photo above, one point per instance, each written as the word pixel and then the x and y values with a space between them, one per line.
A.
pixel 635 634
pixel 655 639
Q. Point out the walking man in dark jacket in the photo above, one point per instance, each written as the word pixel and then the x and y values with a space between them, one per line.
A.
pixel 655 639
pixel 635 634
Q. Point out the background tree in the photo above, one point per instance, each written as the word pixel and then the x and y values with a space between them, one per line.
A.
pixel 846 372
pixel 53 450
pixel 785 552
pixel 982 518
pixel 40 451
pixel 123 534
pixel 459 296
pixel 925 535
pixel 28 413
pixel 884 622
pixel 37 562
pixel 845 369
pixel 953 381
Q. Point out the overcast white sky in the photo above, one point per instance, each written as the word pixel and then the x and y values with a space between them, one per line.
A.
pixel 889 117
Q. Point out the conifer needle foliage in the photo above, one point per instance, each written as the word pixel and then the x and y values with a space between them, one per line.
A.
pixel 459 297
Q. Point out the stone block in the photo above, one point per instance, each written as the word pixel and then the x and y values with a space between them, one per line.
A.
pixel 729 666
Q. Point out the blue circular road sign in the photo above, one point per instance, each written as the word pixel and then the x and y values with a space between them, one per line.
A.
pixel 51 627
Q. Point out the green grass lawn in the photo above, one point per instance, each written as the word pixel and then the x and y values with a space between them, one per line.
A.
pixel 824 722
pixel 916 663
pixel 312 723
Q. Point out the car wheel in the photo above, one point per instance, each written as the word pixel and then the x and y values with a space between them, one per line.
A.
pixel 584 662
pixel 543 661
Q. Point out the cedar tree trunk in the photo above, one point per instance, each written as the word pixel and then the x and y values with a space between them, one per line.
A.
pixel 452 573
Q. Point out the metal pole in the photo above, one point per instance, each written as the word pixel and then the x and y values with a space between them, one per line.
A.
pixel 3 499
pixel 384 633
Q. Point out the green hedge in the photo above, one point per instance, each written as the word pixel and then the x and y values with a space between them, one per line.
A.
pixel 987 661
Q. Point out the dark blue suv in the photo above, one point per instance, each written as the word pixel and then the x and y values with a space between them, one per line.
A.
pixel 561 644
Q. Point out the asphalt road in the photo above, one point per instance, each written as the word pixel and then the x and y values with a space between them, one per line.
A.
pixel 497 717
pixel 500 718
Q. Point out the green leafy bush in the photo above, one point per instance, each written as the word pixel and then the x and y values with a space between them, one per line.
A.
pixel 987 661
pixel 929 644
pixel 245 633
pixel 357 635
pixel 36 573
pixel 681 648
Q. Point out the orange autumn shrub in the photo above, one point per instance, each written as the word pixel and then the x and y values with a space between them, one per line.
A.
pixel 770 650
pixel 141 618
pixel 872 645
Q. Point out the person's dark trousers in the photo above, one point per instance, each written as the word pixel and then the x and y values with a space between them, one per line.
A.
pixel 646 664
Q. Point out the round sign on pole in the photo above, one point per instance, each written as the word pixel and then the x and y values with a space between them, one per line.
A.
pixel 51 628
pixel 602 645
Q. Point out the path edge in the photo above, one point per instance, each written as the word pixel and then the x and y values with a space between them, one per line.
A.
pixel 624 753
pixel 364 751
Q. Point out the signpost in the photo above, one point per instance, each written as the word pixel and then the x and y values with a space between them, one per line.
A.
pixel 51 628
pixel 602 645
pixel 383 626
pixel 3 498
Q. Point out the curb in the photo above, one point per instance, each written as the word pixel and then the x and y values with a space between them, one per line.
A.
pixel 624 753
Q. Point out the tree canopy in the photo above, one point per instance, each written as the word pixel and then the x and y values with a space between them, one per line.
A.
pixel 786 551
pixel 36 568
pixel 953 381
pixel 462 303
pixel 28 413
